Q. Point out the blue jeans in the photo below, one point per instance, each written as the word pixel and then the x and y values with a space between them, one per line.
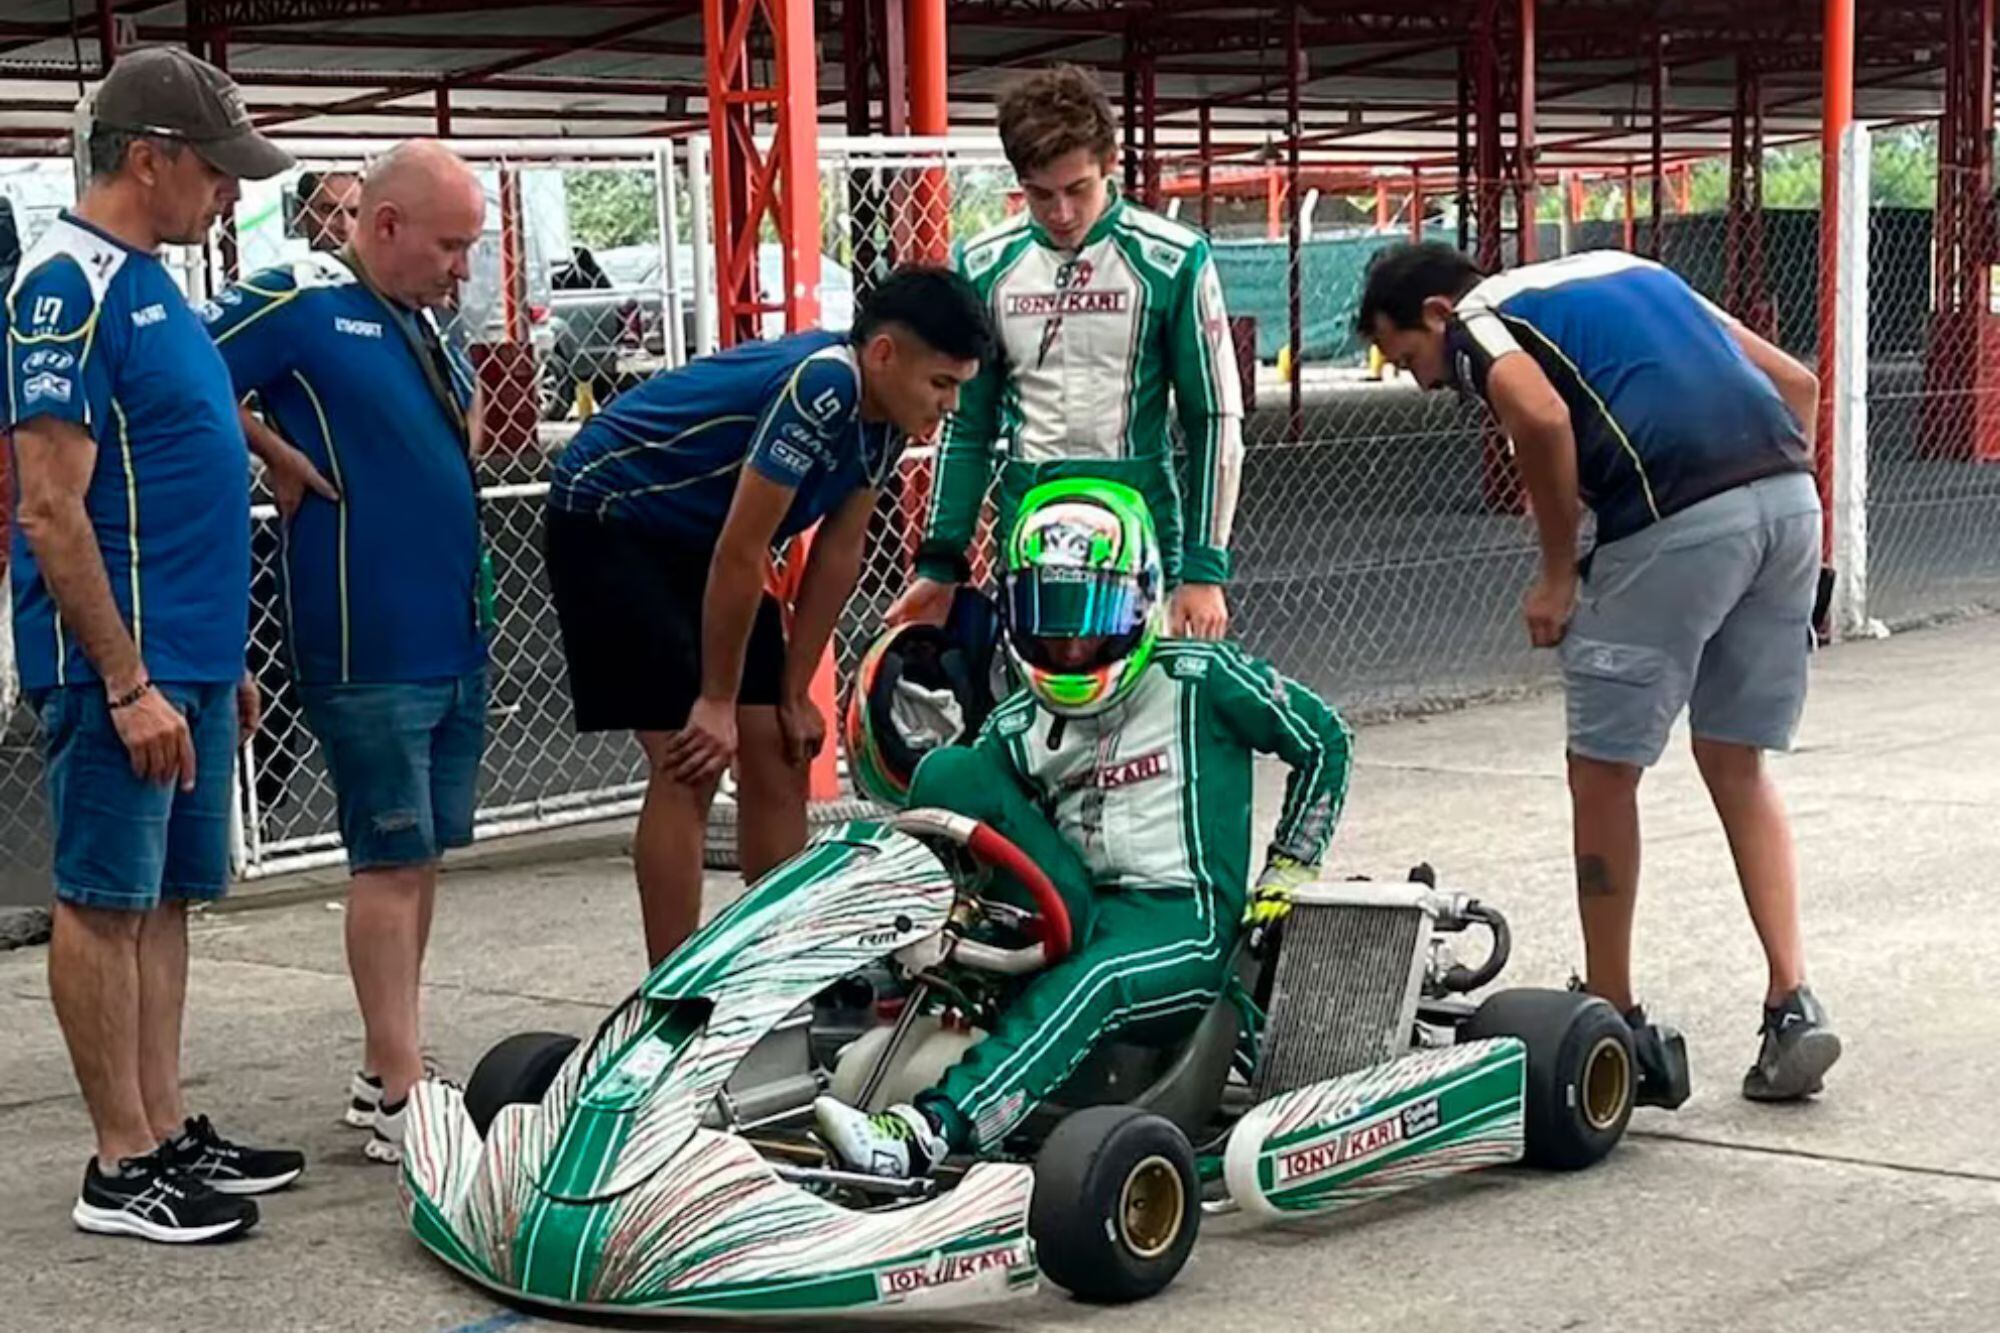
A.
pixel 404 757
pixel 122 842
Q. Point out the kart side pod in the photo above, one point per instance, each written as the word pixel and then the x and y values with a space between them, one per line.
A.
pixel 1379 1131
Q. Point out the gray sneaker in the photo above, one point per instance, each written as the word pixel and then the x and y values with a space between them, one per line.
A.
pixel 1799 1047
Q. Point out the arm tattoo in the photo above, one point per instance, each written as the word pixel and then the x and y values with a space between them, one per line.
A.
pixel 1593 878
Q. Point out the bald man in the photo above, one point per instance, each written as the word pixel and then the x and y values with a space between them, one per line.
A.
pixel 386 589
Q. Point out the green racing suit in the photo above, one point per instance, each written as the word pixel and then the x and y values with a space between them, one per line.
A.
pixel 1142 817
pixel 1096 341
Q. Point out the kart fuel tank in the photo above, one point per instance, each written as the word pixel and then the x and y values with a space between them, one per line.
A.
pixel 927 1050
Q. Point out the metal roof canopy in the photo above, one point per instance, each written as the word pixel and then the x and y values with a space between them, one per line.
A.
pixel 1380 81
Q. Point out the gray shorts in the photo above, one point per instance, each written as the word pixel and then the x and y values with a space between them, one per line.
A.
pixel 1708 609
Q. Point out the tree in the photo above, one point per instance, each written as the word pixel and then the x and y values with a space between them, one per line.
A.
pixel 1902 173
pixel 612 207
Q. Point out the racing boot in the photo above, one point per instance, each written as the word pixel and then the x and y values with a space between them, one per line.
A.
pixel 1661 1054
pixel 899 1144
pixel 1799 1047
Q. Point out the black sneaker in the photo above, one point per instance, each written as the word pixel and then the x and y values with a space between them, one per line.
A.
pixel 149 1197
pixel 1661 1054
pixel 1799 1047
pixel 230 1168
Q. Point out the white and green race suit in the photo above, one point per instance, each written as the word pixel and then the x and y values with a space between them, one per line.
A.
pixel 1142 817
pixel 1096 341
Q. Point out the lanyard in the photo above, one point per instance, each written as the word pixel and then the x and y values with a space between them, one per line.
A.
pixel 421 336
pixel 423 343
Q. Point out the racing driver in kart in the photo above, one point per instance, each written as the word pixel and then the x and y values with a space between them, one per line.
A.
pixel 1124 770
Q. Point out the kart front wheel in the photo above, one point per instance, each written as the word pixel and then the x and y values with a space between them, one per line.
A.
pixel 1581 1072
pixel 1116 1204
pixel 517 1071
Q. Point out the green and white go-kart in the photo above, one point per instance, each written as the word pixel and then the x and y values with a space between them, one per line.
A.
pixel 666 1164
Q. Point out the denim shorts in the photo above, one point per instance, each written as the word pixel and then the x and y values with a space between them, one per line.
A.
pixel 1709 609
pixel 404 757
pixel 124 843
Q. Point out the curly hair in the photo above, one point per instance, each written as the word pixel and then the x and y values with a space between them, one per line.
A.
pixel 1054 112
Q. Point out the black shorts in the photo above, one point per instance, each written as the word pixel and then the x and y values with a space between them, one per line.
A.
pixel 629 603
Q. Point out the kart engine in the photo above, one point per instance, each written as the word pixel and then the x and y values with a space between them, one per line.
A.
pixel 1354 961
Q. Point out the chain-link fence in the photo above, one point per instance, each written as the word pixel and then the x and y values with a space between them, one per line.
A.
pixel 580 288
pixel 1380 542
pixel 1933 431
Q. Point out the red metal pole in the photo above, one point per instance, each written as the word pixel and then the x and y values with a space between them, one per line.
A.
pixel 513 305
pixel 443 112
pixel 895 62
pixel 1416 204
pixel 1464 154
pixel 1294 59
pixel 1207 170
pixel 1381 205
pixel 1524 138
pixel 930 114
pixel 1631 222
pixel 724 38
pixel 749 185
pixel 1130 100
pixel 1486 126
pixel 1762 313
pixel 1653 246
pixel 227 243
pixel 107 36
pixel 1736 226
pixel 797 146
pixel 1149 122
pixel 1837 101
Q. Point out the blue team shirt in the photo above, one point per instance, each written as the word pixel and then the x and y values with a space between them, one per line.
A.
pixel 666 455
pixel 383 585
pixel 98 335
pixel 1666 408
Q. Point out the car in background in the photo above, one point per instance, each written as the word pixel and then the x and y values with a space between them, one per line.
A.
pixel 601 320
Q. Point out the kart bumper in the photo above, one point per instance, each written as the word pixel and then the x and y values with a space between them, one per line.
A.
pixel 713 1230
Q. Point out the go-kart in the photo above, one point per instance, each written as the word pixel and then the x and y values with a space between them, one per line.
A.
pixel 667 1163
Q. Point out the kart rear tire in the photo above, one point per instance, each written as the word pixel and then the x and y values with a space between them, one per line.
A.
pixel 1117 1204
pixel 517 1071
pixel 1581 1072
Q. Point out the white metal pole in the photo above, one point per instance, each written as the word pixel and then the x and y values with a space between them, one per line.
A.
pixel 1850 396
pixel 704 278
pixel 1564 238
pixel 672 346
pixel 8 679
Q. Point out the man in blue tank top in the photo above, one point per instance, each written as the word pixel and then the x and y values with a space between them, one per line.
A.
pixel 1690 439
pixel 661 517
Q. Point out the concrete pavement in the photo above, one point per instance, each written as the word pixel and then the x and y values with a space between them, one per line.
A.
pixel 1875 1208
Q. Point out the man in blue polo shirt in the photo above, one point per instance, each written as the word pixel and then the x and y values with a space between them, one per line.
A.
pixel 382 584
pixel 131 565
pixel 661 517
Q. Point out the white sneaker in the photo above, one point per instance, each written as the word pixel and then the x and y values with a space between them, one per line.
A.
pixel 899 1143
pixel 385 1141
pixel 364 1094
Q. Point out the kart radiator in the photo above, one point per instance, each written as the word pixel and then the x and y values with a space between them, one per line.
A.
pixel 1351 962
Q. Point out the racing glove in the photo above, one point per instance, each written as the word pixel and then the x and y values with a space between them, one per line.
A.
pixel 1271 900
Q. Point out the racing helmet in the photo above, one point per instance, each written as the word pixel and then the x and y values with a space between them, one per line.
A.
pixel 1083 564
pixel 918 688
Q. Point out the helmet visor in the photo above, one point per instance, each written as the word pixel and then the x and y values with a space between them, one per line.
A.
pixel 1064 602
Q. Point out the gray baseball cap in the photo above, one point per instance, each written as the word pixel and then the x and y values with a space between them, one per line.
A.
pixel 165 91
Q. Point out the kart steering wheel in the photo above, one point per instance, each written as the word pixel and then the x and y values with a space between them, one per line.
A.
pixel 1049 924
